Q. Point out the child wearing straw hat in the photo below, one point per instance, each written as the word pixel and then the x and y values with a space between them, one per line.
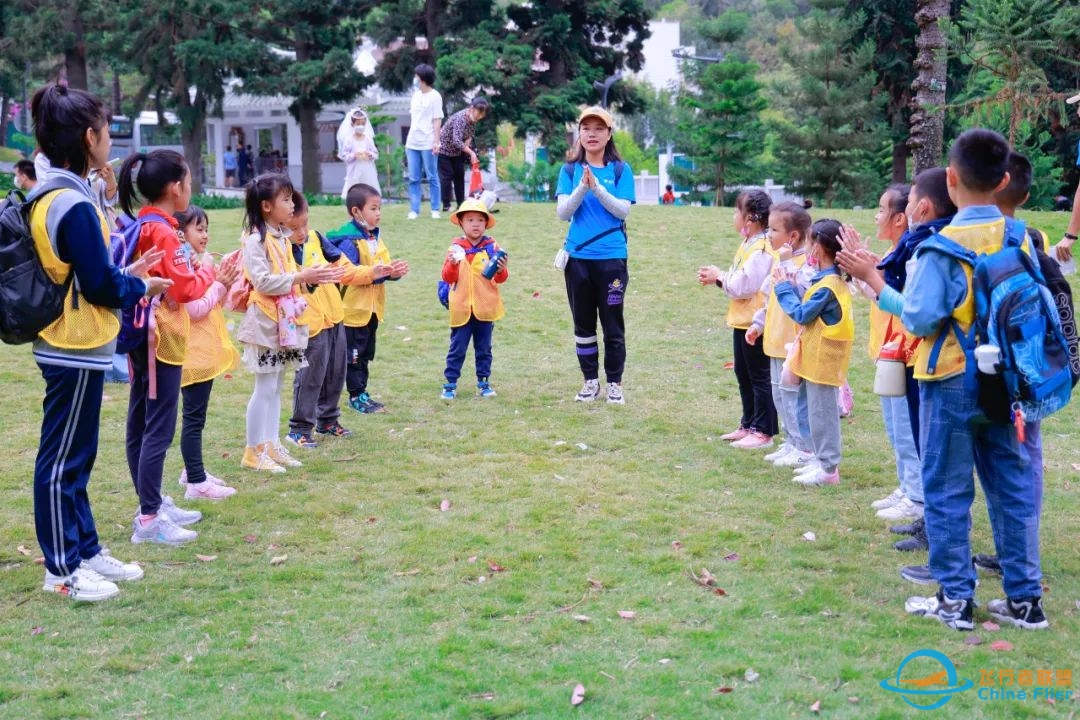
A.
pixel 475 266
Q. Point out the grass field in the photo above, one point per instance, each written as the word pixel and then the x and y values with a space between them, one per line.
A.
pixel 386 606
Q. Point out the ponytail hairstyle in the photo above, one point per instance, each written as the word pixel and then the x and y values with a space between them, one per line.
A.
pixel 62 115
pixel 794 217
pixel 826 233
pixel 897 197
pixel 754 206
pixel 159 169
pixel 265 188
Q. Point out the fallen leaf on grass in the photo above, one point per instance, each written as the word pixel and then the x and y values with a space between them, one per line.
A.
pixel 809 536
pixel 729 366
pixel 559 477
pixel 483 696
pixel 664 661
pixel 1076 467
pixel 444 505
pixel 991 626
pixel 579 695
pixel 495 567
pixel 206 558
pixel 37 630
pixel 39 560
pixel 1001 645
pixel 595 584
pixel 559 442
pixel 471 558
pixel 627 614
pixel 582 446
pixel 582 618
pixel 373 519
pixel 751 676
pixel 853 700
pixel 816 707
pixel 407 573
pixel 251 538
pixel 973 640
pixel 226 455
pixel 23 550
pixel 724 690
pixel 536 294
pixel 676 544
pixel 732 557
pixel 278 559
pixel 272 546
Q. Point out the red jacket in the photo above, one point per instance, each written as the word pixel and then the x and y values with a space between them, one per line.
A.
pixel 450 269
pixel 188 284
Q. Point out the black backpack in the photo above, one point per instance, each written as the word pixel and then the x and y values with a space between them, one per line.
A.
pixel 29 299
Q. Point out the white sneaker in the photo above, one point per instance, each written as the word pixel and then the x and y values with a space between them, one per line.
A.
pixel 178 515
pixel 796 458
pixel 83 584
pixel 818 477
pixel 810 467
pixel 888 501
pixel 902 510
pixel 208 491
pixel 209 478
pixel 614 393
pixel 161 531
pixel 589 391
pixel 435 215
pixel 113 570
pixel 412 215
pixel 784 449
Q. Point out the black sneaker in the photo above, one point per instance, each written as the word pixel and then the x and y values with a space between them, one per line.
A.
pixel 912 544
pixel 919 574
pixel 987 563
pixel 1024 613
pixel 914 528
pixel 957 614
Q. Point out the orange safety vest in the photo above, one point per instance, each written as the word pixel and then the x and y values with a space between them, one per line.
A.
pixel 473 294
pixel 825 350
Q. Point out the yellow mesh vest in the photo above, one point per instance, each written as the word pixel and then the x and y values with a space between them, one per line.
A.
pixel 474 294
pixel 983 238
pixel 779 328
pixel 825 350
pixel 84 327
pixel 325 300
pixel 173 327
pixel 210 350
pixel 361 301
pixel 740 312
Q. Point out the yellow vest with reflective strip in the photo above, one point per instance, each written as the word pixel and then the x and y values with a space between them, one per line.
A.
pixel 779 328
pixel 84 327
pixel 741 311
pixel 825 350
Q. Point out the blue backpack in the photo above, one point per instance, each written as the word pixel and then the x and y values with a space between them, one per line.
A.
pixel 133 321
pixel 1015 311
pixel 443 288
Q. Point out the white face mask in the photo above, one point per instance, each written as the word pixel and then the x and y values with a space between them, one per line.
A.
pixel 415 83
pixel 359 129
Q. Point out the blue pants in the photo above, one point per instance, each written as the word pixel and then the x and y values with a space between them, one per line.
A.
pixel 427 160
pixel 151 425
pixel 66 453
pixel 956 440
pixel 791 406
pixel 479 331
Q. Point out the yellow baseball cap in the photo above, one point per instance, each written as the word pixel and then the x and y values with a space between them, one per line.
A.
pixel 472 205
pixel 599 113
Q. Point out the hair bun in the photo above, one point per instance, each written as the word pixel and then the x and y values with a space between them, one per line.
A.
pixel 807 204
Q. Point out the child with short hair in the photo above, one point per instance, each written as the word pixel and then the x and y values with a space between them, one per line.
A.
pixel 164 181
pixel 274 330
pixel 475 302
pixel 789 224
pixel 957 437
pixel 364 299
pixel 317 387
pixel 210 354
pixel 822 349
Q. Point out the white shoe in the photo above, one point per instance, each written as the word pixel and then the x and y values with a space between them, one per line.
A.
pixel 810 467
pixel 818 477
pixel 113 570
pixel 83 584
pixel 902 510
pixel 589 391
pixel 412 215
pixel 209 478
pixel 435 215
pixel 281 456
pixel 888 501
pixel 796 458
pixel 614 393
pixel 161 531
pixel 178 515
pixel 780 452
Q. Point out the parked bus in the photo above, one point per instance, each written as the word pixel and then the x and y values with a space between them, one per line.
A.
pixel 143 134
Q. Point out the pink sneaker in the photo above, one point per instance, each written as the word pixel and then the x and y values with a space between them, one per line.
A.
pixel 736 434
pixel 208 491
pixel 819 477
pixel 753 441
pixel 209 478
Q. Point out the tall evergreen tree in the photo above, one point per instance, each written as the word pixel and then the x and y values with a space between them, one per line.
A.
pixel 928 114
pixel 829 147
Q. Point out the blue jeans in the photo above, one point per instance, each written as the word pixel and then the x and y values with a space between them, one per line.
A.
pixel 791 406
pixel 479 331
pixel 427 160
pixel 894 410
pixel 957 439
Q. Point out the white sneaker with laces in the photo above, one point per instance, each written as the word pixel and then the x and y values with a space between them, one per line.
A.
pixel 796 458
pixel 412 215
pixel 83 584
pixel 178 515
pixel 902 510
pixel 589 391
pixel 113 570
pixel 161 531
pixel 209 478
pixel 435 215
pixel 614 393
pixel 208 491
pixel 810 467
pixel 889 500
pixel 784 449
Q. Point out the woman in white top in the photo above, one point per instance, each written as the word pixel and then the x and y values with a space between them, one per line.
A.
pixel 356 147
pixel 422 144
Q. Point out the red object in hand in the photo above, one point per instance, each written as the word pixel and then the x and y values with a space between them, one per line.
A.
pixel 476 181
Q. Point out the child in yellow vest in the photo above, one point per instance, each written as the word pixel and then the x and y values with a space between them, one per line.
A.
pixel 475 302
pixel 789 224
pixel 274 330
pixel 742 283
pixel 823 349
pixel 210 353
pixel 317 387
pixel 364 297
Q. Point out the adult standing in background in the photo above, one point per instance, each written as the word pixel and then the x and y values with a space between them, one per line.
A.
pixel 242 162
pixel 231 164
pixel 422 143
pixel 455 145
pixel 1063 250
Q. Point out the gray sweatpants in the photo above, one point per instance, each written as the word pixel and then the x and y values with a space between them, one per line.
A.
pixel 317 388
pixel 824 413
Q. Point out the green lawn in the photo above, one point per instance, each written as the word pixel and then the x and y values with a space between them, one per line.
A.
pixel 387 607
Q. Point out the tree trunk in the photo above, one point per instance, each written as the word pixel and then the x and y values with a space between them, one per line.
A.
pixel 928 115
pixel 75 54
pixel 117 97
pixel 4 103
pixel 306 113
pixel 900 155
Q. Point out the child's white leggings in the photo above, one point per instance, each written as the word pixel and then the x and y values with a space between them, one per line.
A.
pixel 264 408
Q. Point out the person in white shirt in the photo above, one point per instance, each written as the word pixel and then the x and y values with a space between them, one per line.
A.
pixel 422 143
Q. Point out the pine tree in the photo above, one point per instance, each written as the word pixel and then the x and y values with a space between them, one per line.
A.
pixel 928 116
